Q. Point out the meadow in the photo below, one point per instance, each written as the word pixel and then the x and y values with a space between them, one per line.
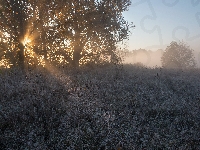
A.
pixel 100 108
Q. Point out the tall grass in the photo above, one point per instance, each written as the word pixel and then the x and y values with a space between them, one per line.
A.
pixel 99 108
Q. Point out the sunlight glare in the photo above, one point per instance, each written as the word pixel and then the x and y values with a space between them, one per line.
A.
pixel 26 41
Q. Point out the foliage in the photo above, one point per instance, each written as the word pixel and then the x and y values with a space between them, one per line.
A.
pixel 94 27
pixel 67 32
pixel 20 21
pixel 178 55
pixel 80 109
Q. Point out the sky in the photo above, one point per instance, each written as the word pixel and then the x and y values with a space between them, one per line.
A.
pixel 159 22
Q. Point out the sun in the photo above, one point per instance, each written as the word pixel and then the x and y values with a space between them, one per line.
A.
pixel 26 41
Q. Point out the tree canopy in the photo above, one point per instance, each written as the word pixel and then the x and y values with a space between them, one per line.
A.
pixel 178 55
pixel 61 32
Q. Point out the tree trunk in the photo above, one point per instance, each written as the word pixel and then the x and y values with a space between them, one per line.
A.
pixel 21 56
pixel 76 56
pixel 78 47
pixel 44 49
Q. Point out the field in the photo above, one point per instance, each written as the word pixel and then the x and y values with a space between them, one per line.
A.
pixel 128 106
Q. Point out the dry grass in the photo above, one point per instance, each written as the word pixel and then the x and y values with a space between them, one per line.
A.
pixel 102 108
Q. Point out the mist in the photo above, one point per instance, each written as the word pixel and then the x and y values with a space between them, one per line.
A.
pixel 150 58
pixel 147 57
pixel 197 58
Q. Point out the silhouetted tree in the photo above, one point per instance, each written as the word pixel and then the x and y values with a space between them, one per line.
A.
pixel 178 55
pixel 13 15
pixel 21 20
pixel 93 27
pixel 63 31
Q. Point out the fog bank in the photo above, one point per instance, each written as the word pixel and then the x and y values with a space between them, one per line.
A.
pixel 148 58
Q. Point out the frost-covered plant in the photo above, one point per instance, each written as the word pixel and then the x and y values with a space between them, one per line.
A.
pixel 92 109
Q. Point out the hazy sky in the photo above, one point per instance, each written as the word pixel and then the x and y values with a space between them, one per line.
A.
pixel 158 22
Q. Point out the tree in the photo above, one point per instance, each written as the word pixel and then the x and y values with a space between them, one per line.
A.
pixel 178 55
pixel 71 32
pixel 93 27
pixel 23 22
pixel 13 16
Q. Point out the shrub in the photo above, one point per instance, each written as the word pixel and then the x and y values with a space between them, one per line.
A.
pixel 178 55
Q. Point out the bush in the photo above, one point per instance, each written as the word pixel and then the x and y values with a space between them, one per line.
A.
pixel 178 55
